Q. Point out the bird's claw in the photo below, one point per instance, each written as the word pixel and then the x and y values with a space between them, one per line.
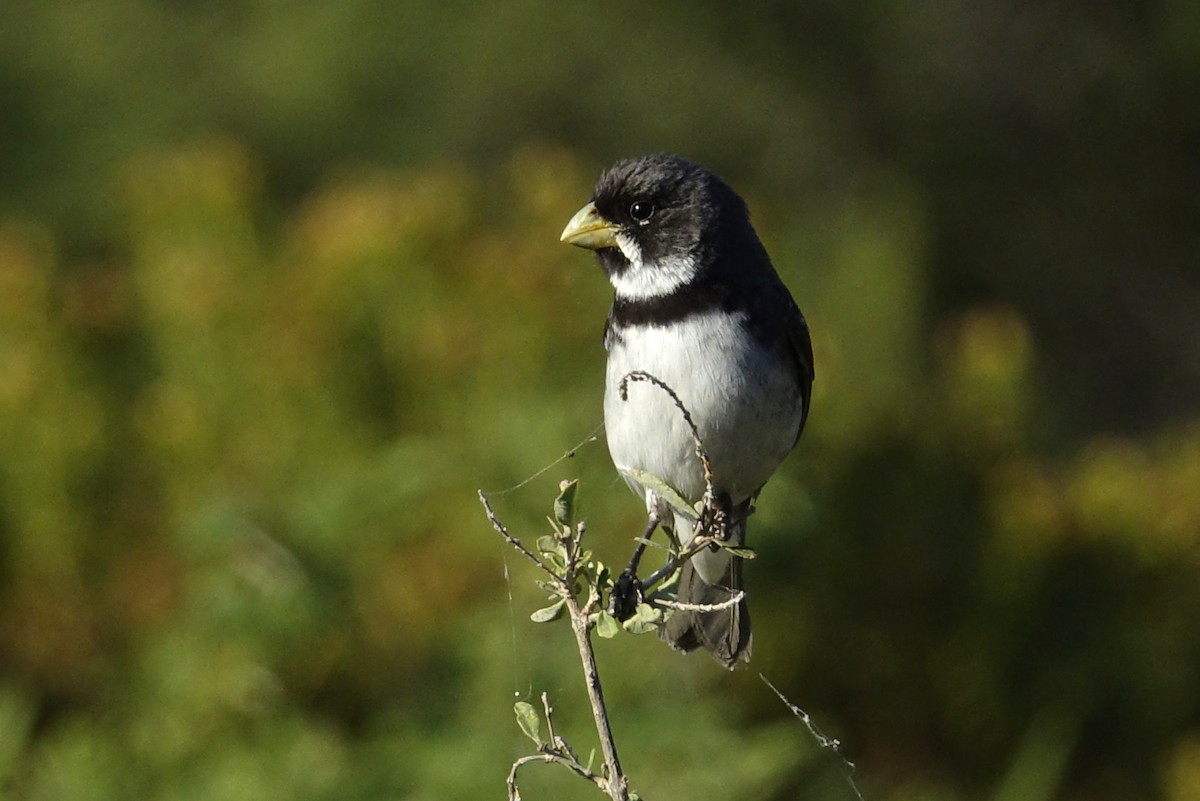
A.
pixel 626 596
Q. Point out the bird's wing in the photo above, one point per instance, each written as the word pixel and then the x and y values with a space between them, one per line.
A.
pixel 794 334
pixel 801 348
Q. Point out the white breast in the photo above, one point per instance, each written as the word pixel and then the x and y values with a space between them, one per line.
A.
pixel 746 404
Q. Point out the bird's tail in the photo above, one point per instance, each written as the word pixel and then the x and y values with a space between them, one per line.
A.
pixel 724 633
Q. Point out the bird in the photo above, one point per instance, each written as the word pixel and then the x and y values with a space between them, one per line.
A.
pixel 697 306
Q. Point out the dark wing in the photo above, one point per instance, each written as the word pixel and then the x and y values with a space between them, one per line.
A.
pixel 794 333
pixel 802 356
pixel 773 317
pixel 777 320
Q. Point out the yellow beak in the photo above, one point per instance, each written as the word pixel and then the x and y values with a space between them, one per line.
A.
pixel 587 229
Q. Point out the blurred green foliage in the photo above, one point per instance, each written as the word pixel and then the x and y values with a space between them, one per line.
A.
pixel 280 287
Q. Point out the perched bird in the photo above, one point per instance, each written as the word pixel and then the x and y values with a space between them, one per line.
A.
pixel 698 306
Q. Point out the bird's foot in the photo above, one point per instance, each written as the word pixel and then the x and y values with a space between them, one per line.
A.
pixel 626 595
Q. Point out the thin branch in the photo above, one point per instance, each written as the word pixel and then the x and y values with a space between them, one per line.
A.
pixel 618 785
pixel 556 757
pixel 558 752
pixel 695 545
pixel 513 541
pixel 828 743
pixel 701 454
pixel 555 740
pixel 731 601
pixel 712 524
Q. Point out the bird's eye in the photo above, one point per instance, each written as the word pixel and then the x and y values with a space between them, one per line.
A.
pixel 641 211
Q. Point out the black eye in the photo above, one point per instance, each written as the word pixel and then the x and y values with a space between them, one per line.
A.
pixel 641 210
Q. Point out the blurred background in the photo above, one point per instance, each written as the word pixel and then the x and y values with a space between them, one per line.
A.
pixel 281 287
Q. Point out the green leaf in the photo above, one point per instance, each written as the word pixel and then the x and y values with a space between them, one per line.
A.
pixel 598 572
pixel 552 612
pixel 557 560
pixel 564 504
pixel 644 620
pixel 743 551
pixel 607 625
pixel 666 588
pixel 663 490
pixel 648 613
pixel 547 544
pixel 528 720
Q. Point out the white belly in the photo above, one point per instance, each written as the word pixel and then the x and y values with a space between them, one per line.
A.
pixel 745 402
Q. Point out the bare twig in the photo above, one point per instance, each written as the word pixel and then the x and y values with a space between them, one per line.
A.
pixel 618 786
pixel 557 751
pixel 732 600
pixel 712 524
pixel 701 454
pixel 695 545
pixel 513 541
pixel 828 743
pixel 555 740
pixel 552 756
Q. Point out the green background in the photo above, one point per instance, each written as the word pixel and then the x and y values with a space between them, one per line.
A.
pixel 281 287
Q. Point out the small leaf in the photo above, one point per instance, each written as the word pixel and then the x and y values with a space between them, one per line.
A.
pixel 648 613
pixel 598 571
pixel 663 490
pixel 528 720
pixel 547 544
pixel 743 551
pixel 607 625
pixel 557 560
pixel 564 504
pixel 552 612
pixel 644 620
pixel 666 588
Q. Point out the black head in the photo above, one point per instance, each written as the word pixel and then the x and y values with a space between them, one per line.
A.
pixel 659 221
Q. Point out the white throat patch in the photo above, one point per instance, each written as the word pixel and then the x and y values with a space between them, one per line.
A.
pixel 640 280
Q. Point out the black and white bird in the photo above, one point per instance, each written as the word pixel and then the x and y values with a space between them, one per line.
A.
pixel 698 306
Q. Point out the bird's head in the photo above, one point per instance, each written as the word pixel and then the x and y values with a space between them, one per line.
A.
pixel 656 223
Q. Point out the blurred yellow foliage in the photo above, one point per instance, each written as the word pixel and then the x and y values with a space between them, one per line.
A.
pixel 986 358
pixel 1181 771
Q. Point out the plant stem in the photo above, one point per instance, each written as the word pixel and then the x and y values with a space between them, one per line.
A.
pixel 618 787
